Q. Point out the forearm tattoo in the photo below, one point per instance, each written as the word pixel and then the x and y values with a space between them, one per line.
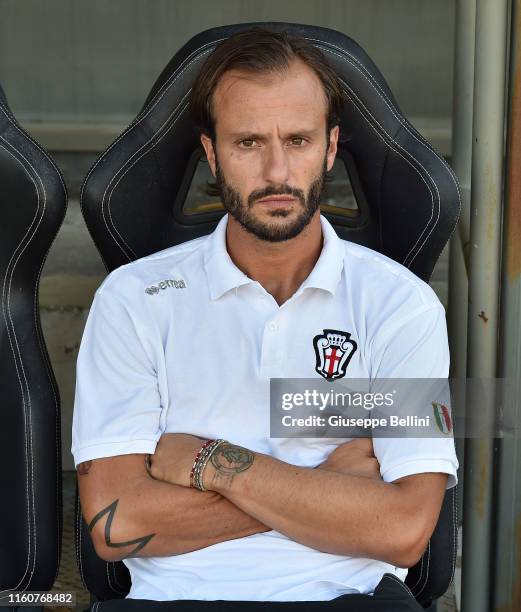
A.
pixel 230 460
pixel 110 511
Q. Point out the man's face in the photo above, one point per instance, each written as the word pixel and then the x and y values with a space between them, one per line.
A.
pixel 271 151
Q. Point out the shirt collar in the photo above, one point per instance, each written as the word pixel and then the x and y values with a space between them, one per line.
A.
pixel 328 269
pixel 223 275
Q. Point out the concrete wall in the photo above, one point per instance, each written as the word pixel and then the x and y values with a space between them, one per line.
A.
pixel 76 71
pixel 95 60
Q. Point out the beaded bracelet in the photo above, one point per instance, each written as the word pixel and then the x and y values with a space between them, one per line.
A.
pixel 201 460
pixel 202 463
pixel 192 471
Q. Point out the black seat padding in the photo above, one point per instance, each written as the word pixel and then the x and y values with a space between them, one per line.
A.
pixel 132 201
pixel 32 205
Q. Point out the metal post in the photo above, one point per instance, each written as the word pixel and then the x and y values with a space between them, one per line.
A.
pixel 507 555
pixel 486 198
pixel 465 34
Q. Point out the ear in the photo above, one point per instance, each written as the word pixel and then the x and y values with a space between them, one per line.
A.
pixel 332 149
pixel 207 143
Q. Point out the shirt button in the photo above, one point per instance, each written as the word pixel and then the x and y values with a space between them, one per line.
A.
pixel 272 326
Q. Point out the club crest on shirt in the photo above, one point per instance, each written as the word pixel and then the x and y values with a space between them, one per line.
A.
pixel 333 352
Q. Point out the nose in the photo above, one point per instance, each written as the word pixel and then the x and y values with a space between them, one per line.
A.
pixel 275 164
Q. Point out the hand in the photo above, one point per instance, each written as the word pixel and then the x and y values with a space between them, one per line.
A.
pixel 174 457
pixel 355 457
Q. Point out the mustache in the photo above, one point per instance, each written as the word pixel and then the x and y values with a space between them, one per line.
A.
pixel 271 190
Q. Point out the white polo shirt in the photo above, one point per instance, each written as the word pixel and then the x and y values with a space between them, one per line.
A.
pixel 183 341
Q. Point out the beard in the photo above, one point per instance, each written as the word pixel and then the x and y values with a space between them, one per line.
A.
pixel 242 211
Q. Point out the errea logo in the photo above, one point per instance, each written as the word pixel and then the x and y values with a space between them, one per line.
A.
pixel 165 284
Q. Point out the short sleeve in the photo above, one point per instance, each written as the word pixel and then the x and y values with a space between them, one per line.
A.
pixel 414 348
pixel 117 404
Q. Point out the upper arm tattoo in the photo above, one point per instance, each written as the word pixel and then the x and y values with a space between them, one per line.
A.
pixel 84 468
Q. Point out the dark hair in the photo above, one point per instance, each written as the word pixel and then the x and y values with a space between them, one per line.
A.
pixel 260 50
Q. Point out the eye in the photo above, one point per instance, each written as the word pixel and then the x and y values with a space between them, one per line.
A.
pixel 297 141
pixel 248 143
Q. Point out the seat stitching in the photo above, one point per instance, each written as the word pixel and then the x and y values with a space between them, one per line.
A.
pixel 145 112
pixel 107 572
pixel 134 124
pixel 116 581
pixel 145 146
pixel 453 560
pixel 37 145
pixel 43 351
pixel 76 528
pixel 402 584
pixel 116 590
pixel 405 124
pixel 454 534
pixel 405 261
pixel 80 543
pixel 391 146
pixel 427 571
pixel 57 416
pixel 392 107
pixel 128 166
pixel 28 430
pixel 402 120
pixel 421 572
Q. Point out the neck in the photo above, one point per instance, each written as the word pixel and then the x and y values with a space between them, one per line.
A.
pixel 280 267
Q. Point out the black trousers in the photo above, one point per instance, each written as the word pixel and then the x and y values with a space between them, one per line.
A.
pixel 391 595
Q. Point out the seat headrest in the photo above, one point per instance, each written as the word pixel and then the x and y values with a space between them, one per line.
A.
pixel 409 202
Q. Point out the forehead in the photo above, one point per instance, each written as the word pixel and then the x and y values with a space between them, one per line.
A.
pixel 248 101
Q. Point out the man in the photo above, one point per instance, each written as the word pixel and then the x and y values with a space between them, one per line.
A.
pixel 160 371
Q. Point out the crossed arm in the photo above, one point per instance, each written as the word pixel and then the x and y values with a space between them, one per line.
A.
pixel 341 507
